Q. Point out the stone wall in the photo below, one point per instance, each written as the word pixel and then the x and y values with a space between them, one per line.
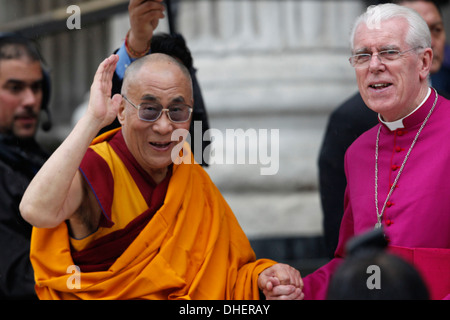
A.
pixel 274 65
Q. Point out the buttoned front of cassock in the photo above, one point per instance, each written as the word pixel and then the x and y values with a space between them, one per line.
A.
pixel 401 145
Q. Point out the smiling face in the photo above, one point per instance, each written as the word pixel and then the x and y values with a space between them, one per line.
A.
pixel 151 143
pixel 396 88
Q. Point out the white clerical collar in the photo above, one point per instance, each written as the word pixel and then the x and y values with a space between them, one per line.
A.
pixel 398 124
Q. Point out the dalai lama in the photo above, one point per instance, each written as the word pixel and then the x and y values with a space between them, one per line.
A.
pixel 137 225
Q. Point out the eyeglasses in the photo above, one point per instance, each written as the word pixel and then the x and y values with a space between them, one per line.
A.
pixel 151 111
pixel 362 60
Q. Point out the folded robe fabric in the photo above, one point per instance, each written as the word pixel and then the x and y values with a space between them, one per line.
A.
pixel 192 248
pixel 128 200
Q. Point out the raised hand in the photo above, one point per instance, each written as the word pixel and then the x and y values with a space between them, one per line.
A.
pixel 102 108
pixel 144 18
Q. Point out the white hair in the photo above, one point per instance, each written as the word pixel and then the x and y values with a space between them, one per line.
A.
pixel 418 34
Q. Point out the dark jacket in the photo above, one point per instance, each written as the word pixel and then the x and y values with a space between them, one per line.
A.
pixel 19 162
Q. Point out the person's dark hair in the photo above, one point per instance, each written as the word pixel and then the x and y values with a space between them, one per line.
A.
pixel 13 46
pixel 173 45
pixel 398 279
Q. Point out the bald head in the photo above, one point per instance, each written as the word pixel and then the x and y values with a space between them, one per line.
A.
pixel 149 62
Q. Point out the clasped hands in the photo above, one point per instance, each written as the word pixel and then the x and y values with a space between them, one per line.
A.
pixel 281 282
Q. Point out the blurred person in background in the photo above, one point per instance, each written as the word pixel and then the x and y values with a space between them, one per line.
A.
pixel 24 93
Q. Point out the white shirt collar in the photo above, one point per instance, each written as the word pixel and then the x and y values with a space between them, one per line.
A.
pixel 398 124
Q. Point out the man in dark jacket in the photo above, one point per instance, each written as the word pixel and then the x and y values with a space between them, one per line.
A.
pixel 24 92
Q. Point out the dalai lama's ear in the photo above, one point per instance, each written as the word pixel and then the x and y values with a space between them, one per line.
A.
pixel 426 59
pixel 121 112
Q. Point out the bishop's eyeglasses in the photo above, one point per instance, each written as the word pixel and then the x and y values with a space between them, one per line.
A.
pixel 152 111
pixel 362 60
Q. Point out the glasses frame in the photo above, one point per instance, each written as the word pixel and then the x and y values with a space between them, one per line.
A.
pixel 382 60
pixel 138 107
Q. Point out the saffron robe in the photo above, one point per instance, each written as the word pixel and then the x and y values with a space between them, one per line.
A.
pixel 191 248
pixel 417 217
pixel 123 216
